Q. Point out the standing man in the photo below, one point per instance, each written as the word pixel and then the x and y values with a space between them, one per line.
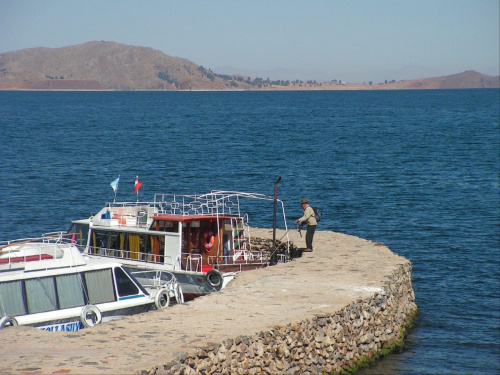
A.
pixel 309 220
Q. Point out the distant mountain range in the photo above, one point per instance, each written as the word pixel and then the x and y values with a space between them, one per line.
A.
pixel 114 66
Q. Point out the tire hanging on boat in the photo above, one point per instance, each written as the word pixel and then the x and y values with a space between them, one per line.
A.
pixel 8 321
pixel 162 299
pixel 214 278
pixel 90 316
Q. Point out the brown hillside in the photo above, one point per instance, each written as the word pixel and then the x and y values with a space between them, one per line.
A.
pixel 470 79
pixel 104 65
pixel 466 80
pixel 114 66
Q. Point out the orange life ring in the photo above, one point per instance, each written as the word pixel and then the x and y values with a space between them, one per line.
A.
pixel 209 240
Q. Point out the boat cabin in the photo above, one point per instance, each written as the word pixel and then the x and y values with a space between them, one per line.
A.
pixel 47 283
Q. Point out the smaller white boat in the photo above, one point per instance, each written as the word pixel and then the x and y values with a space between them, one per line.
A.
pixel 49 284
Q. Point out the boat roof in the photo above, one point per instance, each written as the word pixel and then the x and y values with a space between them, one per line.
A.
pixel 184 218
pixel 49 254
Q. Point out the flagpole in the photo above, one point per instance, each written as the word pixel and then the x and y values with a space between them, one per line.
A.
pixel 137 188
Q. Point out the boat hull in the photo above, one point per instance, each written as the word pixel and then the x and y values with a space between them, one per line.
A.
pixel 74 323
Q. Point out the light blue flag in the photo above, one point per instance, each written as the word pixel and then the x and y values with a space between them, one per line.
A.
pixel 114 184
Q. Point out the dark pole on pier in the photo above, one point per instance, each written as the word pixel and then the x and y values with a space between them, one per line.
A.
pixel 274 256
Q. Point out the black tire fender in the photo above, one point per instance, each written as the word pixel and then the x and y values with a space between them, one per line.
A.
pixel 214 278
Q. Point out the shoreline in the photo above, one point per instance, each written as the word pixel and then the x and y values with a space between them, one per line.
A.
pixel 348 87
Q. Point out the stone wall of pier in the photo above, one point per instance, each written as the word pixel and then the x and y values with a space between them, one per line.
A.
pixel 358 333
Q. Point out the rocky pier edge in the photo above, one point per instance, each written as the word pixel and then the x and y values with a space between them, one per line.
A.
pixel 331 311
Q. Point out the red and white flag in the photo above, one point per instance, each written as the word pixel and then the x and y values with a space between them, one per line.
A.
pixel 137 185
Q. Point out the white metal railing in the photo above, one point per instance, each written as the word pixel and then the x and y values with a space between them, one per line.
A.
pixel 282 258
pixel 17 253
pixel 154 278
pixel 205 204
pixel 126 214
pixel 251 258
pixel 52 237
pixel 191 262
pixel 131 255
pixel 216 203
pixel 248 258
pixel 187 261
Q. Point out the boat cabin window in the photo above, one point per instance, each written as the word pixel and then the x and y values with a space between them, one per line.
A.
pixel 125 286
pixel 70 291
pixel 128 245
pixel 100 286
pixel 114 240
pixel 100 239
pixel 41 295
pixel 165 226
pixel 51 293
pixel 11 298
pixel 103 241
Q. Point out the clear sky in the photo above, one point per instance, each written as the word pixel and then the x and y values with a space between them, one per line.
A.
pixel 350 40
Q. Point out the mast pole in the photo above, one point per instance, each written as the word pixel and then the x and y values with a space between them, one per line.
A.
pixel 274 256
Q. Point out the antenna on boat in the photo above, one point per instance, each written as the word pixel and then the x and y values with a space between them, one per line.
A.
pixel 274 256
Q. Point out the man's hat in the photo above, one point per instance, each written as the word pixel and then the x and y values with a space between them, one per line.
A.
pixel 304 200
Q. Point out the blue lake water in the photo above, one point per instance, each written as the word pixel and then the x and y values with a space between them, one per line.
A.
pixel 417 170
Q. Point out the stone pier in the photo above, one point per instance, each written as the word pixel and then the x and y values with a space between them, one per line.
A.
pixel 344 304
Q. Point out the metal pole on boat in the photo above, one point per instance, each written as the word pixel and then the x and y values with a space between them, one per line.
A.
pixel 274 256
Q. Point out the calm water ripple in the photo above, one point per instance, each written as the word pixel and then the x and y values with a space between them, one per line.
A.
pixel 417 170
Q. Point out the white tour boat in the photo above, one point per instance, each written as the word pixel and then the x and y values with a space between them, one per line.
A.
pixel 48 283
pixel 202 239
